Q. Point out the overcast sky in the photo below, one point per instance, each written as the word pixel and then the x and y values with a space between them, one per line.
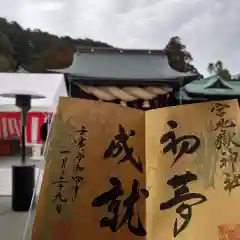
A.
pixel 209 28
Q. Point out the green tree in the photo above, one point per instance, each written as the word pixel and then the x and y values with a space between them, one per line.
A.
pixel 179 58
pixel 36 50
pixel 5 65
pixel 6 50
pixel 5 45
pixel 218 69
pixel 236 77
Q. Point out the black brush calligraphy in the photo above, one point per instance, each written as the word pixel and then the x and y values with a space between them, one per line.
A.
pixel 182 194
pixel 229 148
pixel 59 197
pixel 220 109
pixel 120 145
pixel 112 198
pixel 80 143
pixel 222 139
pixel 186 144
pixel 231 181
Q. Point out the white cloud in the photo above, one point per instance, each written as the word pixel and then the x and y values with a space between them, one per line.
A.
pixel 209 28
pixel 41 7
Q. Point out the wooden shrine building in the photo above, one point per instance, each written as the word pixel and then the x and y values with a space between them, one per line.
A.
pixel 141 79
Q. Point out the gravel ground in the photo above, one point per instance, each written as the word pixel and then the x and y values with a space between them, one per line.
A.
pixel 13 224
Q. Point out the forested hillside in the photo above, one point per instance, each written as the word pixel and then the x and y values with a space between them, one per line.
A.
pixel 36 50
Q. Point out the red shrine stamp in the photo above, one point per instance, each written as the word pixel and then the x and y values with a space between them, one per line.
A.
pixel 229 232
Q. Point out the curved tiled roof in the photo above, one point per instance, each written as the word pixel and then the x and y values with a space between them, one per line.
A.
pixel 213 86
pixel 122 64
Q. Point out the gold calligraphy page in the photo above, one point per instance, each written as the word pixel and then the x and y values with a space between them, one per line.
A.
pixel 94 180
pixel 193 172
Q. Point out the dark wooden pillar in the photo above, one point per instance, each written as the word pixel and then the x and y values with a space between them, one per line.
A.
pixel 161 101
pixel 132 104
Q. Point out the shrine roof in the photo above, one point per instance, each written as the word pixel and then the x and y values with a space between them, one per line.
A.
pixel 122 64
pixel 213 86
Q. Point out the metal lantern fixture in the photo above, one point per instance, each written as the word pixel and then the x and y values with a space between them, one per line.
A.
pixel 23 176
